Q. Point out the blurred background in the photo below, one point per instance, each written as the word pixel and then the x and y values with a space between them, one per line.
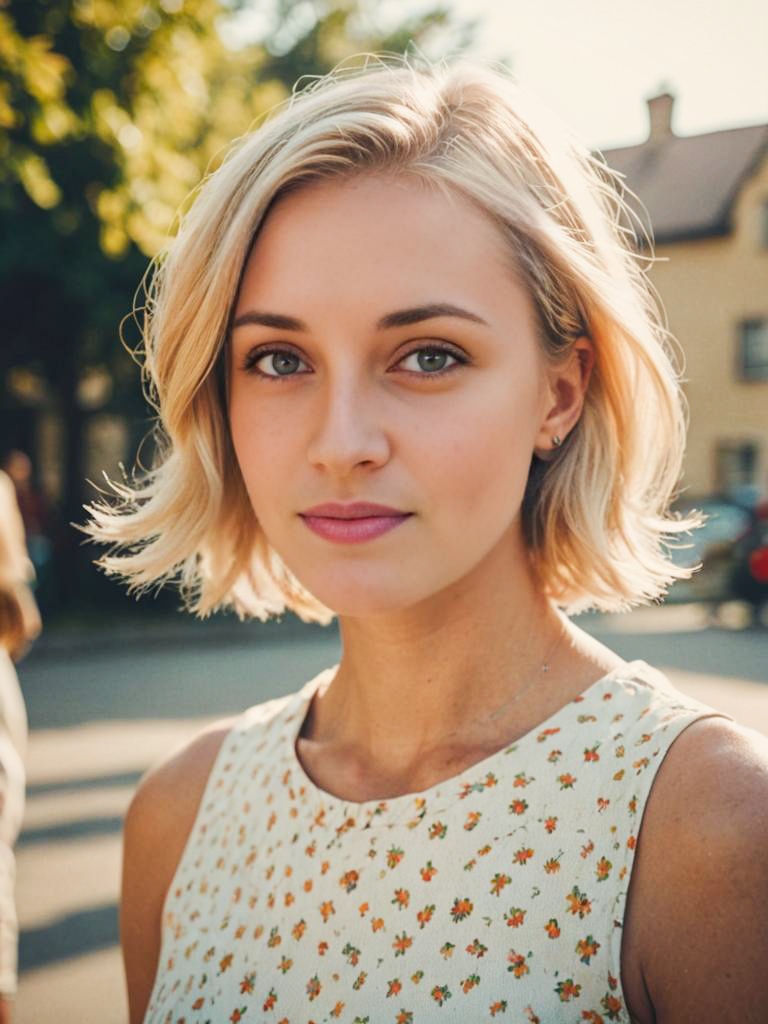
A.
pixel 110 113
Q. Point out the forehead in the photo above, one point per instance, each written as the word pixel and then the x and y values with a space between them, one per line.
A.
pixel 376 231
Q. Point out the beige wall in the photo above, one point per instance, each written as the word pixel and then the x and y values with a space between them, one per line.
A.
pixel 707 288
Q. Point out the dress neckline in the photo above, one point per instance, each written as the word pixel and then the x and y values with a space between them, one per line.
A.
pixel 411 807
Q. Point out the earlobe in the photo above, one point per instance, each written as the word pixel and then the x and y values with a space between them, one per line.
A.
pixel 567 389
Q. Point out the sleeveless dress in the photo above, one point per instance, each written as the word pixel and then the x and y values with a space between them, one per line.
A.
pixel 496 895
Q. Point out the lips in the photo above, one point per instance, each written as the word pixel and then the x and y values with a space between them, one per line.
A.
pixel 354 510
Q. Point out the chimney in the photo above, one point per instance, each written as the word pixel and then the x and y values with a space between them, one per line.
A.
pixel 660 116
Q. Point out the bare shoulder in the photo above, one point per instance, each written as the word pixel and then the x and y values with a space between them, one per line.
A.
pixel 698 899
pixel 168 795
pixel 157 825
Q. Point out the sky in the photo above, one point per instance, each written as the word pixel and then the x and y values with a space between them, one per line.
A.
pixel 594 63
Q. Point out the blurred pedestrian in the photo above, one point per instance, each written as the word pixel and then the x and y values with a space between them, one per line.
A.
pixel 20 624
pixel 36 515
pixel 410 373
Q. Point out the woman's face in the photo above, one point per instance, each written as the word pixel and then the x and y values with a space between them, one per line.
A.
pixel 431 412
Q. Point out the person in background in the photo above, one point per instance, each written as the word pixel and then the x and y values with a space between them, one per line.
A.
pixel 20 624
pixel 36 517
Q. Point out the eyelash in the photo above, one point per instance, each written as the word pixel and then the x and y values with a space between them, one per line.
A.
pixel 249 363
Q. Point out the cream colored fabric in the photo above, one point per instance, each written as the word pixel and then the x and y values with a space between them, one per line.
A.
pixel 496 894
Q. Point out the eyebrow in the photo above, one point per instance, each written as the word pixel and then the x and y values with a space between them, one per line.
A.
pixel 400 318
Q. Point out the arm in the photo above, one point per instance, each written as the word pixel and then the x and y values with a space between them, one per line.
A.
pixel 157 826
pixel 700 886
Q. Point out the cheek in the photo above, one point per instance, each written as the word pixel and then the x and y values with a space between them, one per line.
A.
pixel 486 452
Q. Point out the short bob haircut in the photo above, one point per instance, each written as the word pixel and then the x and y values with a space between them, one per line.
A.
pixel 595 517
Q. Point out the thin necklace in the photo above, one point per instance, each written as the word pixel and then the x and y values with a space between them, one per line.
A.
pixel 537 679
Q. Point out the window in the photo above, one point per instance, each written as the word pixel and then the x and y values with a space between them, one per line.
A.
pixel 736 469
pixel 753 349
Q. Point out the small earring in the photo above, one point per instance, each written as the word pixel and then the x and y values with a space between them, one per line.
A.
pixel 556 441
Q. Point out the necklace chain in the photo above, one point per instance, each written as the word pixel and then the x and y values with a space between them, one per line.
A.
pixel 543 670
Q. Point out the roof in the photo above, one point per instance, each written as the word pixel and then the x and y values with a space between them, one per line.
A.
pixel 688 184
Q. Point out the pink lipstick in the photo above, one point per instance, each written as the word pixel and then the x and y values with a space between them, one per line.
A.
pixel 353 523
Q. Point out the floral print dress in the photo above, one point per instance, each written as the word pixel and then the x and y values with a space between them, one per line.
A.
pixel 496 895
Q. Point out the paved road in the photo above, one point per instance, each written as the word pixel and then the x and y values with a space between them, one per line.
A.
pixel 103 707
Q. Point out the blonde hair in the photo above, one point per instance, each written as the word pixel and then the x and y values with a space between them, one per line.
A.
pixel 595 518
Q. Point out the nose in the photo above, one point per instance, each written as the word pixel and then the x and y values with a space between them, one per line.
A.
pixel 350 430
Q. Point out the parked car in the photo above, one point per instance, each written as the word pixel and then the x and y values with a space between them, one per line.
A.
pixel 712 545
pixel 749 568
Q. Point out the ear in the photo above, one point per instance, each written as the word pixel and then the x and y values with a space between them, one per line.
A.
pixel 565 390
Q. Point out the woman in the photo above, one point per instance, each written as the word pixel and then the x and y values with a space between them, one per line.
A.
pixel 19 625
pixel 410 374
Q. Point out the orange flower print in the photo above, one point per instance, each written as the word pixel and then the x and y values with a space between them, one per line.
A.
pixel 517 964
pixel 523 855
pixel 238 1014
pixel 377 923
pixel 314 987
pixel 612 1006
pixel 521 779
pixel 401 898
pixel 551 824
pixel 351 953
pixel 587 948
pixel 270 1001
pixel 417 976
pixel 612 982
pixel 468 788
pixel 602 803
pixel 587 849
pixel 603 869
pixel 404 1017
pixel 593 1016
pixel 631 841
pixel 473 820
pixel 476 948
pixel 225 962
pixel 198 1003
pixel 461 909
pixel 336 1011
pixel 395 987
pixel 425 916
pixel 484 850
pixel 469 983
pixel 498 882
pixel 363 909
pixel 298 929
pixel 547 732
pixel 515 917
pixel 326 909
pixel 401 944
pixel 552 865
pixel 498 1007
pixel 532 1018
pixel 583 719
pixel 246 985
pixel 567 990
pixel 394 856
pixel 554 756
pixel 518 807
pixel 359 981
pixel 566 780
pixel 591 754
pixel 428 872
pixel 348 880
pixel 440 993
pixel 639 765
pixel 552 928
pixel 285 964
pixel 470 865
pixel 633 805
pixel 579 904
pixel 438 831
pixel 446 950
pixel 619 775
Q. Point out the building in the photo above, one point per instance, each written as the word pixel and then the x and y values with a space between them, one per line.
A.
pixel 706 197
